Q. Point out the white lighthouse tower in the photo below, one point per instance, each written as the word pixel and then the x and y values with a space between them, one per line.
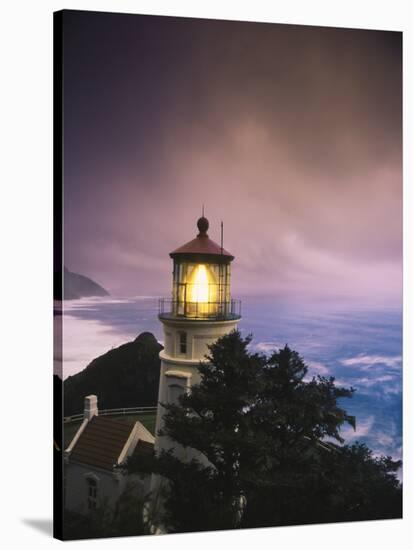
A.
pixel 200 311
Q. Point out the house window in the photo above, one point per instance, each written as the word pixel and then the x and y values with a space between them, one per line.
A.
pixel 92 490
pixel 182 343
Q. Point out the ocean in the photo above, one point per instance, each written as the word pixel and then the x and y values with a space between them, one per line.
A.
pixel 360 347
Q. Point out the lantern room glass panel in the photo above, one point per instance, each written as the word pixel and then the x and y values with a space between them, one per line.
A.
pixel 201 289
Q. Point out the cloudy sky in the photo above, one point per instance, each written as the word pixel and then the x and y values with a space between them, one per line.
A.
pixel 290 134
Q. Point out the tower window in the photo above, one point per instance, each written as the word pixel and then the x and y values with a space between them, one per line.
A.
pixel 182 343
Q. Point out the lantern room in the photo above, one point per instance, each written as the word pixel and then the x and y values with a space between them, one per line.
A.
pixel 201 281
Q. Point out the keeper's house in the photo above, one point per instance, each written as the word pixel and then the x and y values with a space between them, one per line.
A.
pixel 94 477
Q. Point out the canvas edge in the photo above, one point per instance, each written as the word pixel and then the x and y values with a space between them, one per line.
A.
pixel 58 500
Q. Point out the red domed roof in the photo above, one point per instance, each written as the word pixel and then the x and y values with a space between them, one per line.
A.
pixel 202 245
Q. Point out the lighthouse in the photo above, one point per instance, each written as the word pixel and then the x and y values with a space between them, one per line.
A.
pixel 199 311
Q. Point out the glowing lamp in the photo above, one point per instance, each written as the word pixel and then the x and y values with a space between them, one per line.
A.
pixel 202 285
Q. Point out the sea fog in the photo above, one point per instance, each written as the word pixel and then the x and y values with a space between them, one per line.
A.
pixel 360 347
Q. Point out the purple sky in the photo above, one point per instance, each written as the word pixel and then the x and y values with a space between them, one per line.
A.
pixel 290 134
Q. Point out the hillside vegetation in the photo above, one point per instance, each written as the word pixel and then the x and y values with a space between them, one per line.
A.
pixel 127 376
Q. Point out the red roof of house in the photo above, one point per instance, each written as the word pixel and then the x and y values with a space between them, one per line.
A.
pixel 101 442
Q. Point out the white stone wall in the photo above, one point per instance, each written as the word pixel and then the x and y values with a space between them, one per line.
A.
pixel 182 369
pixel 199 335
pixel 109 487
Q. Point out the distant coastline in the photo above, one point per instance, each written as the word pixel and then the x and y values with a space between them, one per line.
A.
pixel 77 286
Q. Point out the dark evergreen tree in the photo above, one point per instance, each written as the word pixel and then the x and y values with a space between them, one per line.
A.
pixel 356 485
pixel 267 435
pixel 292 417
pixel 214 418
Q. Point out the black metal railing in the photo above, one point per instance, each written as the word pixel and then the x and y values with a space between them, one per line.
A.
pixel 173 309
